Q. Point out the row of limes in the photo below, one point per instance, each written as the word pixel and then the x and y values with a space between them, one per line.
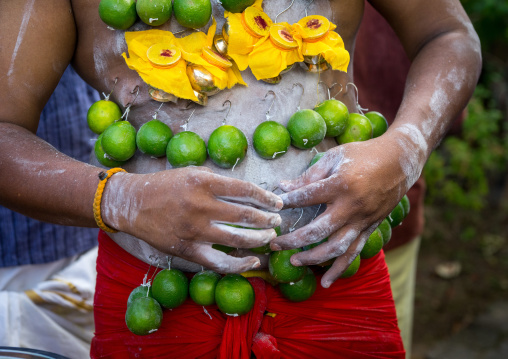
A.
pixel 122 14
pixel 227 145
pixel 233 294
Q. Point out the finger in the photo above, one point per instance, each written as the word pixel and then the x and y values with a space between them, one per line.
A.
pixel 337 245
pixel 315 231
pixel 239 237
pixel 233 213
pixel 315 173
pixel 231 189
pixel 342 262
pixel 204 254
pixel 309 195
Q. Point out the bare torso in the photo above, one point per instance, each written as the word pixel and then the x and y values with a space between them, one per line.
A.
pixel 98 60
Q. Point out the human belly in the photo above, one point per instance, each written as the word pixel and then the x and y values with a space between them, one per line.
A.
pixel 250 106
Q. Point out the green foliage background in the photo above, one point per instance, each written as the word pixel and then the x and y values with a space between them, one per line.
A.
pixel 469 170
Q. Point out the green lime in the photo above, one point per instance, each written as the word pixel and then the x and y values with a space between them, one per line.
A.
pixel 202 287
pixel 378 122
pixel 154 12
pixel 236 6
pixel 170 288
pixel 102 114
pixel 227 146
pixel 222 248
pixel 316 158
pixel 192 13
pixel 119 14
pixel 335 114
pixel 352 268
pixel 103 158
pixel 143 316
pixel 405 205
pixel 138 292
pixel 373 245
pixel 153 137
pixel 271 140
pixel 300 290
pixel 186 149
pixel 396 216
pixel 358 128
pixel 119 141
pixel 266 248
pixel 307 128
pixel 386 230
pixel 281 268
pixel 234 295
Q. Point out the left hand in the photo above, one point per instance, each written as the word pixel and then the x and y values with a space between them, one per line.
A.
pixel 360 183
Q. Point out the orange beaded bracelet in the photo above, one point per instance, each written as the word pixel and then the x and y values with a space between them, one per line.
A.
pixel 104 176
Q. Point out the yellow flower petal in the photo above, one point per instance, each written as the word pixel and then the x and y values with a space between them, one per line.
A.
pixel 171 79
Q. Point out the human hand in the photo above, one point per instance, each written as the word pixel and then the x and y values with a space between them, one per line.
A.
pixel 360 183
pixel 182 212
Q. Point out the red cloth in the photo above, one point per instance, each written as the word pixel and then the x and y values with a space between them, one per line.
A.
pixel 355 318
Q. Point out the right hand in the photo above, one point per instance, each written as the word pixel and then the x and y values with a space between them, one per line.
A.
pixel 182 212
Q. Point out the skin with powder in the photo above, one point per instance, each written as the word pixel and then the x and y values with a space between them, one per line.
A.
pixel 182 212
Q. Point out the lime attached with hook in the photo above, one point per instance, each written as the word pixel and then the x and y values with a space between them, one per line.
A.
pixel 271 140
pixel 358 128
pixel 307 128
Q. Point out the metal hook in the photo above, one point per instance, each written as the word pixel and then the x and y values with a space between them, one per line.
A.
pixel 308 7
pixel 224 120
pixel 303 92
pixel 283 11
pixel 157 111
pixel 273 101
pixel 357 97
pixel 106 97
pixel 292 228
pixel 341 88
pixel 128 106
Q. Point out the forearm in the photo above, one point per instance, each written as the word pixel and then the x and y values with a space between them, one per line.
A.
pixel 441 80
pixel 39 181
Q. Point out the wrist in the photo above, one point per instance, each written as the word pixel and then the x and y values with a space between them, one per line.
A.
pixel 112 201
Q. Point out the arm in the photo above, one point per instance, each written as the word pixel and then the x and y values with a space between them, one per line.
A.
pixel 179 212
pixel 361 182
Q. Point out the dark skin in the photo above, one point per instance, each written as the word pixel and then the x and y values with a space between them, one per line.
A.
pixel 359 183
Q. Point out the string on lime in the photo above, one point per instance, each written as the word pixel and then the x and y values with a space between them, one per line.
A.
pixel 106 97
pixel 128 106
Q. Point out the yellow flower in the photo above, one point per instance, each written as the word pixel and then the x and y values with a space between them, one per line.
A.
pixel 319 38
pixel 277 52
pixel 168 76
pixel 244 30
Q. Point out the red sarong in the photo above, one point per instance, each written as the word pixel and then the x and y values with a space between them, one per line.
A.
pixel 354 318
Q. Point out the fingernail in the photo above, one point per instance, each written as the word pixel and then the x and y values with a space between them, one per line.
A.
pixel 279 204
pixel 275 247
pixel 278 221
pixel 326 284
pixel 257 264
pixel 296 262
